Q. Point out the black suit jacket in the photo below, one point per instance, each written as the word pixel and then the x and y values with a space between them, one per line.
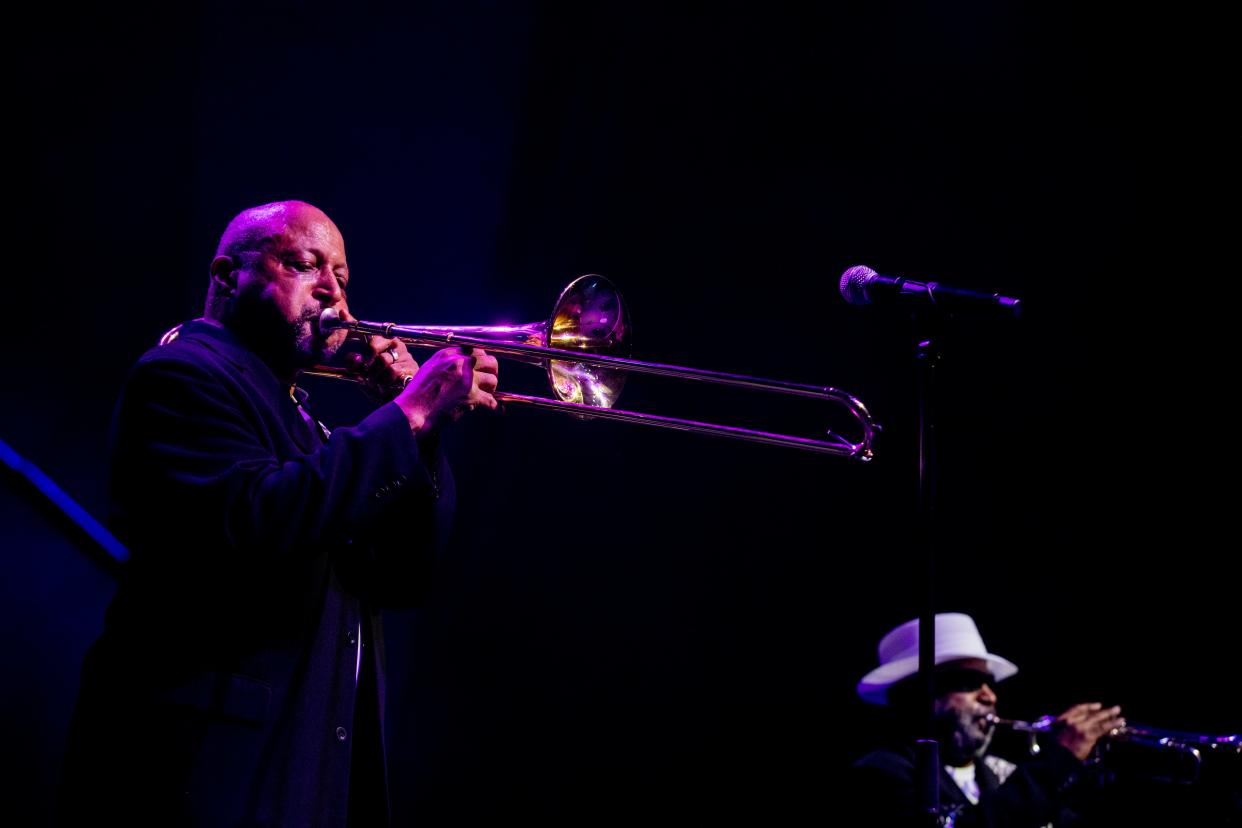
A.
pixel 1033 795
pixel 223 690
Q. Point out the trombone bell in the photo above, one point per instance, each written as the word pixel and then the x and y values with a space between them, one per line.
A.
pixel 589 316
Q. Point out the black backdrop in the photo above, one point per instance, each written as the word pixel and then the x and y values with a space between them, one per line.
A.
pixel 636 622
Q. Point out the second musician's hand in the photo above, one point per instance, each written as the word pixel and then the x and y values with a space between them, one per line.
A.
pixel 1079 728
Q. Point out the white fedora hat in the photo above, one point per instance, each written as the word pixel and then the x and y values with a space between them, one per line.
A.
pixel 956 637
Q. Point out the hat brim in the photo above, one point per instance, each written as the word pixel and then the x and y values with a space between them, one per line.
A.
pixel 874 686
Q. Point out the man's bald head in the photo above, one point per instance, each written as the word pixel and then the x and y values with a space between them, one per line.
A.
pixel 252 228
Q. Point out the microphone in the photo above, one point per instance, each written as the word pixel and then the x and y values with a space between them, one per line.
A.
pixel 860 285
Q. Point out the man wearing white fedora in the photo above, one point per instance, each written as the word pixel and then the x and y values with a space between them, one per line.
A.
pixel 976 788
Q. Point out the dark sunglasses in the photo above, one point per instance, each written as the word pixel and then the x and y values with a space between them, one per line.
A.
pixel 961 680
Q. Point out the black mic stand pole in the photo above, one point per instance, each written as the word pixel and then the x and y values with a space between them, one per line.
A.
pixel 927 750
pixel 929 316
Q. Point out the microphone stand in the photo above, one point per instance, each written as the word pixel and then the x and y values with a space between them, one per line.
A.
pixel 933 304
pixel 926 750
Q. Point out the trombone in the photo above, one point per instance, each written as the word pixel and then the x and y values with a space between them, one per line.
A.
pixel 584 346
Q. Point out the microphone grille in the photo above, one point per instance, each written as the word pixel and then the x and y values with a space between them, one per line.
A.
pixel 854 284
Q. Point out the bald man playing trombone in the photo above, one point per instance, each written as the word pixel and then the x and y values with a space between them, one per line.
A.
pixel 240 676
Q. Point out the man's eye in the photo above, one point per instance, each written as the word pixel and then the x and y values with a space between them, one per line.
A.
pixel 302 267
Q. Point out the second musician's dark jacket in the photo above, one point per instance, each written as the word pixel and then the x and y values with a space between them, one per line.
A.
pixel 1034 795
pixel 225 687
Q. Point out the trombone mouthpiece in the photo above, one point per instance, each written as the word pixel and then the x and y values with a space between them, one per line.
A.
pixel 330 319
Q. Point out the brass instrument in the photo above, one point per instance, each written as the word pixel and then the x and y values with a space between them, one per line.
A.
pixel 1169 755
pixel 584 347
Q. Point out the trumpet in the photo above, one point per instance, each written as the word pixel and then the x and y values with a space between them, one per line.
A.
pixel 584 347
pixel 1180 755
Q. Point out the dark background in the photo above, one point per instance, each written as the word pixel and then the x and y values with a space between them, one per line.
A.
pixel 638 623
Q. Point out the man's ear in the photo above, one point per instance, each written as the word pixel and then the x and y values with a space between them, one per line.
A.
pixel 224 275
